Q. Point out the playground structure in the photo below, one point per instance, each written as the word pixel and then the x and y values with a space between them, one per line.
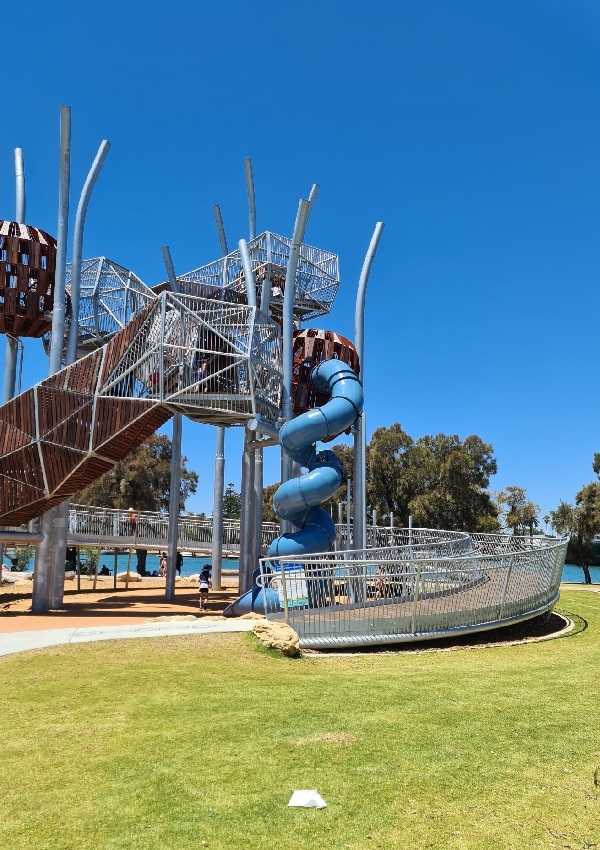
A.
pixel 218 345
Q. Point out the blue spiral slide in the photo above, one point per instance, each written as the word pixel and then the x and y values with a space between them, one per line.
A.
pixel 299 499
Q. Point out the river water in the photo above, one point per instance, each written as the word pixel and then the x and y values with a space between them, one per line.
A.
pixel 192 566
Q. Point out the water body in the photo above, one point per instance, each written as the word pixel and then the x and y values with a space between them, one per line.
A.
pixel 574 574
pixel 192 566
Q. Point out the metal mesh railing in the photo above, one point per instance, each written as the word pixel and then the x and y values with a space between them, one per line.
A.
pixel 316 285
pixel 415 591
pixel 89 525
pixel 211 361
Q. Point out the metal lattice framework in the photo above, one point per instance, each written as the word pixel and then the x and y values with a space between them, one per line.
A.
pixel 72 427
pixel 317 277
pixel 109 296
pixel 214 362
pixel 429 585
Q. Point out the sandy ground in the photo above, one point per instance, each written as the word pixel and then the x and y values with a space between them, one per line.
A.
pixel 107 606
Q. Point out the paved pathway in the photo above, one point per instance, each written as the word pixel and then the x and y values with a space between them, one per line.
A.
pixel 22 641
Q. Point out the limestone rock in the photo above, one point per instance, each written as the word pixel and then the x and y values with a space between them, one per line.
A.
pixel 278 635
pixel 132 577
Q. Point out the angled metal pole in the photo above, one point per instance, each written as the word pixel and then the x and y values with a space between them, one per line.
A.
pixel 251 198
pixel 220 230
pixel 288 331
pixel 43 578
pixel 248 273
pixel 77 255
pixel 175 485
pixel 360 449
pixel 61 513
pixel 219 474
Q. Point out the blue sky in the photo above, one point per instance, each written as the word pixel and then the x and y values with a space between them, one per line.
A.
pixel 470 128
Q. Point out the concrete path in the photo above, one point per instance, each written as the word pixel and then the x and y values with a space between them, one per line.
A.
pixel 22 641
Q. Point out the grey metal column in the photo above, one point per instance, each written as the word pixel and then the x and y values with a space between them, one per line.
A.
pixel 219 474
pixel 43 579
pixel 82 207
pixel 217 529
pixel 61 514
pixel 258 504
pixel 175 483
pixel 12 342
pixel 247 514
pixel 251 198
pixel 360 450
pixel 58 310
pixel 304 208
pixel 248 504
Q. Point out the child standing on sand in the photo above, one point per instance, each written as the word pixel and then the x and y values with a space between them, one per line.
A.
pixel 205 583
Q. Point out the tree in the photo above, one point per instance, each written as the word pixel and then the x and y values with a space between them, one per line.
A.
pixel 232 503
pixel 20 557
pixel 268 514
pixel 439 480
pixel 519 514
pixel 389 482
pixel 581 522
pixel 451 478
pixel 142 479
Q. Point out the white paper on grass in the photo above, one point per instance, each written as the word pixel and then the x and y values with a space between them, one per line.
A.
pixel 307 799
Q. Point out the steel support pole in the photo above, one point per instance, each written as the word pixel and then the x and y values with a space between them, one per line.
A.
pixel 61 515
pixel 41 571
pixel 217 529
pixel 45 574
pixel 21 201
pixel 58 310
pixel 220 230
pixel 251 198
pixel 257 549
pixel 10 368
pixel 12 343
pixel 248 273
pixel 349 541
pixel 80 215
pixel 360 448
pixel 219 474
pixel 175 483
pixel 304 208
pixel 246 515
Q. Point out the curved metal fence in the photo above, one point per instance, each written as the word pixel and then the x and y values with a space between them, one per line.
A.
pixel 433 585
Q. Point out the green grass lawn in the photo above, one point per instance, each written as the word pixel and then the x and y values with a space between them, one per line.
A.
pixel 199 741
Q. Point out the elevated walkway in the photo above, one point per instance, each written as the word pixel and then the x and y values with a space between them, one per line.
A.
pixel 68 430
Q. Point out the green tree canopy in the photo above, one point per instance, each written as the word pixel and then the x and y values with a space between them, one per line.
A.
pixel 581 522
pixel 441 481
pixel 141 480
pixel 232 503
pixel 518 513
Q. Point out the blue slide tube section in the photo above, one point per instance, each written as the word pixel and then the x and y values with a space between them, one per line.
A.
pixel 299 500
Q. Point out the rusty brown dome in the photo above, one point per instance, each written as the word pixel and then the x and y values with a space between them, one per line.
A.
pixel 27 271
pixel 311 346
